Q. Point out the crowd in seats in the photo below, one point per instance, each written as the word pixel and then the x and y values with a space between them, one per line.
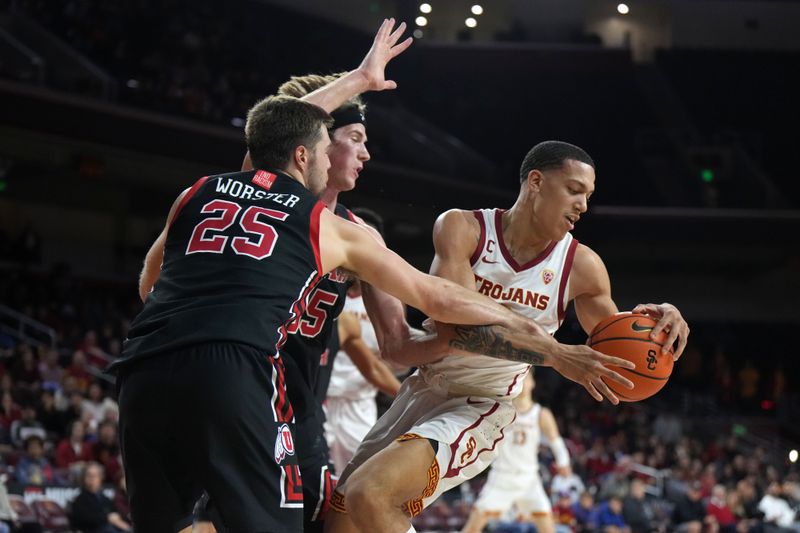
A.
pixel 58 414
pixel 638 469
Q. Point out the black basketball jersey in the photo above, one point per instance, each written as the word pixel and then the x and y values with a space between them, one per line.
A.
pixel 310 335
pixel 241 257
pixel 326 366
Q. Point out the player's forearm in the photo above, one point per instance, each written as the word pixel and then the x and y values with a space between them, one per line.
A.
pixel 336 93
pixel 151 269
pixel 387 315
pixel 499 342
pixel 383 379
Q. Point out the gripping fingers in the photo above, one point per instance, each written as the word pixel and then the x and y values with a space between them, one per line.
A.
pixel 670 342
pixel 606 391
pixel 616 361
pixel 592 391
pixel 625 382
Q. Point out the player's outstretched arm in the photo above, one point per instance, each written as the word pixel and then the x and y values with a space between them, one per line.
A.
pixel 151 270
pixel 370 74
pixel 367 362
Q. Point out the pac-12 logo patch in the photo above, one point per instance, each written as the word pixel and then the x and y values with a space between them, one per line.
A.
pixel 284 445
pixel 548 276
pixel 264 179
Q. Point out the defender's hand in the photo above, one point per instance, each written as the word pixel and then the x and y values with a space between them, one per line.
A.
pixel 669 320
pixel 384 49
pixel 585 366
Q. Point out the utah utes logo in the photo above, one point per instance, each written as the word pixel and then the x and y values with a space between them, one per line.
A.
pixel 548 276
pixel 470 449
pixel 284 445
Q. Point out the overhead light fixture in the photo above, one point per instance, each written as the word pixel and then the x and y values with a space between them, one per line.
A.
pixel 471 22
pixel 421 21
pixel 477 9
pixel 425 8
pixel 623 9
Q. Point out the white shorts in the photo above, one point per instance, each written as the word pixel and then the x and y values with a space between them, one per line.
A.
pixel 524 490
pixel 467 428
pixel 348 422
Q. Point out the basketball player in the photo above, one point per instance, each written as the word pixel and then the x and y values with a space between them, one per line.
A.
pixel 445 424
pixel 234 264
pixel 514 477
pixel 350 406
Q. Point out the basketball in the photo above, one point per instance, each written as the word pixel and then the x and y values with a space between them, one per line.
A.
pixel 627 335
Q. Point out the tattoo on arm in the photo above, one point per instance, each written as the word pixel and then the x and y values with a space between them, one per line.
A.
pixel 488 340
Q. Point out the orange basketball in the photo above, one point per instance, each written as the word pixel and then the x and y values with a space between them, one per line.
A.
pixel 627 336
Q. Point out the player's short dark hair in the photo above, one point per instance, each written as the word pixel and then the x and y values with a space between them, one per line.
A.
pixel 277 125
pixel 370 217
pixel 299 86
pixel 548 155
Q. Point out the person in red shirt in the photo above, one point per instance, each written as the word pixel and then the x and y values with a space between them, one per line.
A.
pixel 718 508
pixel 73 449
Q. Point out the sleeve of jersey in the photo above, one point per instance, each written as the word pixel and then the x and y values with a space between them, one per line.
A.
pixel 188 196
pixel 316 213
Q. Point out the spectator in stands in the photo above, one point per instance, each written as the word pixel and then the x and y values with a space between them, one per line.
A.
pixel 69 385
pixel 609 517
pixel 106 450
pixel 26 371
pixel 567 481
pixel 636 511
pixel 9 412
pixel 51 418
pixel 120 501
pixel 96 404
pixel 584 513
pixel 615 483
pixel 77 369
pixel 95 355
pixel 74 449
pixel 746 509
pixel 50 371
pixel 26 426
pixel 34 468
pixel 689 513
pixel 91 511
pixel 563 515
pixel 718 509
pixel 778 516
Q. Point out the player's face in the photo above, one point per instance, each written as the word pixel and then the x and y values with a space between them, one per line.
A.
pixel 563 197
pixel 348 154
pixel 319 163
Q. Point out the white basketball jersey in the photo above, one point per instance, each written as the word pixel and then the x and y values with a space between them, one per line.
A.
pixel 537 290
pixel 519 449
pixel 346 379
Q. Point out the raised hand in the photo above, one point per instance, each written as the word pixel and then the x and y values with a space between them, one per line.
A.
pixel 586 367
pixel 384 49
pixel 669 320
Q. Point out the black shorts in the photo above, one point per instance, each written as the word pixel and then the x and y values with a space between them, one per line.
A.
pixel 317 472
pixel 213 417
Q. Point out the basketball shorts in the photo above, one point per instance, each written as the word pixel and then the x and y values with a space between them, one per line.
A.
pixel 213 417
pixel 348 422
pixel 466 428
pixel 523 490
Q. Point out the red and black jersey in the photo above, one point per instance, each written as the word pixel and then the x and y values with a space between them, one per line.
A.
pixel 310 336
pixel 241 258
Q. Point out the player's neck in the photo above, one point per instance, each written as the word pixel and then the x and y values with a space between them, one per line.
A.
pixel 519 233
pixel 329 197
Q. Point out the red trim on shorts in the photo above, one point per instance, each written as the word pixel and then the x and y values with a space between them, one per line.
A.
pixel 498 228
pixel 565 270
pixel 481 240
pixel 452 472
pixel 313 230
pixel 188 196
pixel 511 387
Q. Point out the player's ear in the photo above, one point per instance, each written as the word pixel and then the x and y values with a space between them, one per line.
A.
pixel 301 157
pixel 534 180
